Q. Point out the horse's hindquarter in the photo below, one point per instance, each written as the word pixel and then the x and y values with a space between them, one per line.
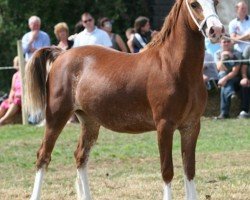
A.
pixel 112 90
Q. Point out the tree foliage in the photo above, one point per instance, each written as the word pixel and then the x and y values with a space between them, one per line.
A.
pixel 14 15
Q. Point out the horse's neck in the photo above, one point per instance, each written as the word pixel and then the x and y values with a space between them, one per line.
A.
pixel 186 48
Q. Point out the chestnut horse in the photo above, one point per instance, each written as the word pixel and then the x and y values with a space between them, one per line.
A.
pixel 160 88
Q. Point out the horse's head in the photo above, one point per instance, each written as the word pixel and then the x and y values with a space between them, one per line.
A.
pixel 202 14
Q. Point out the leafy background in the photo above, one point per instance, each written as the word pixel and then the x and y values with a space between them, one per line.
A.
pixel 14 15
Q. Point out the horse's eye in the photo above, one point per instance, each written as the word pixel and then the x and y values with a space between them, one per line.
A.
pixel 195 5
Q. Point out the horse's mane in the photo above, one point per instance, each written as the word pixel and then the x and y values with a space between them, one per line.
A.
pixel 168 25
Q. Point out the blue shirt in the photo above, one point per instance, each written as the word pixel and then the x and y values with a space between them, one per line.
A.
pixel 240 28
pixel 42 40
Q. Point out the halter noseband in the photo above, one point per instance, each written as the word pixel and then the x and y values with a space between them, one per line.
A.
pixel 202 24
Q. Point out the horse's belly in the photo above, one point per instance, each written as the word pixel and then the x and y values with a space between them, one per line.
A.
pixel 131 122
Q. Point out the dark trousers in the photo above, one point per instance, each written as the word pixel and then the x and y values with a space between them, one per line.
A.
pixel 226 93
pixel 245 98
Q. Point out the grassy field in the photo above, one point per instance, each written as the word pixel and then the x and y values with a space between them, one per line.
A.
pixel 126 166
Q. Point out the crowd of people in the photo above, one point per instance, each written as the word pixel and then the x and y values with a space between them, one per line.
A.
pixel 226 65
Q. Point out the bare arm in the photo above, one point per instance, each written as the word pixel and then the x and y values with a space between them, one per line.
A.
pixel 120 43
pixel 244 37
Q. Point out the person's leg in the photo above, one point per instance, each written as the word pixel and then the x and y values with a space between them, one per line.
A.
pixel 245 98
pixel 226 93
pixel 10 114
pixel 224 103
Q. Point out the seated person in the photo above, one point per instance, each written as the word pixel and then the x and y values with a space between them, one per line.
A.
pixel 10 107
pixel 228 68
pixel 210 73
pixel 245 85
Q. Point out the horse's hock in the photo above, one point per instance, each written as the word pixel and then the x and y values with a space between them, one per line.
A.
pixel 213 105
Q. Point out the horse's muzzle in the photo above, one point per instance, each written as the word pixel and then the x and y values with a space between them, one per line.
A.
pixel 215 33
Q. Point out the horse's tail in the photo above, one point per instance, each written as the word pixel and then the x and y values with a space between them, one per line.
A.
pixel 36 73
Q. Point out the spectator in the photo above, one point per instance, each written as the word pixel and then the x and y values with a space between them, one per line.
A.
pixel 210 73
pixel 245 85
pixel 239 28
pixel 77 29
pixel 143 33
pixel 211 48
pixel 10 107
pixel 91 34
pixel 61 31
pixel 228 75
pixel 117 42
pixel 130 33
pixel 35 39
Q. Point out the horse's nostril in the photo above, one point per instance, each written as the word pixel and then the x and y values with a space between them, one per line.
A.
pixel 211 31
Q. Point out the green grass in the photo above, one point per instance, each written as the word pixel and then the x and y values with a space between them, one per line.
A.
pixel 124 166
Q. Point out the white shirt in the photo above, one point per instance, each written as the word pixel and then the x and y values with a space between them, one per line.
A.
pixel 240 28
pixel 96 37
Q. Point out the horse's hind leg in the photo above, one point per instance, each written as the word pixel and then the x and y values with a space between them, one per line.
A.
pixel 55 121
pixel 88 137
pixel 189 136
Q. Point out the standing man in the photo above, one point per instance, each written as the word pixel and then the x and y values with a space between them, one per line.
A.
pixel 239 28
pixel 91 35
pixel 35 39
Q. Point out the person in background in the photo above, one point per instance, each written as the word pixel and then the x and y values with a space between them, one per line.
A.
pixel 77 29
pixel 143 33
pixel 117 42
pixel 10 107
pixel 245 85
pixel 210 73
pixel 239 28
pixel 91 35
pixel 61 31
pixel 35 39
pixel 130 33
pixel 228 68
pixel 211 48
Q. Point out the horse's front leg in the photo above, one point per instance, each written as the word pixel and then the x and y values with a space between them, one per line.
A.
pixel 165 142
pixel 189 137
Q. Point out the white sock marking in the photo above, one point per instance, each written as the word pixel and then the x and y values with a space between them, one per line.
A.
pixel 167 192
pixel 36 194
pixel 82 184
pixel 190 189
